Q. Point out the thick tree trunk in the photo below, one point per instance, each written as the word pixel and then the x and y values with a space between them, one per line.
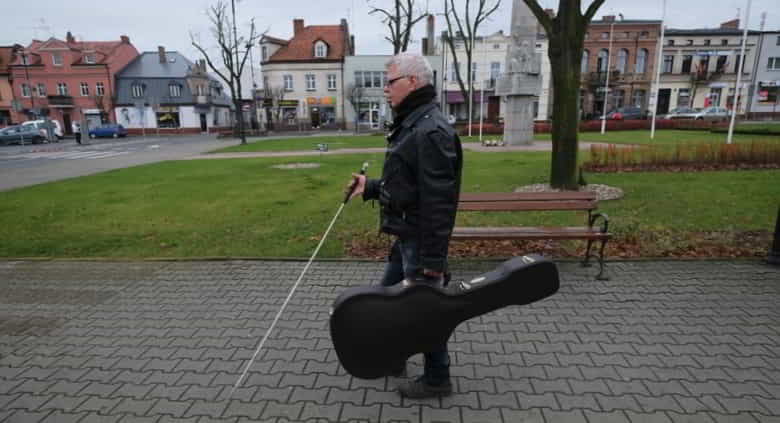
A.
pixel 565 53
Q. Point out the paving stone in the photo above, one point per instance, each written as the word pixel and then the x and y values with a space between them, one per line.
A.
pixel 133 406
pixel 173 408
pixel 574 416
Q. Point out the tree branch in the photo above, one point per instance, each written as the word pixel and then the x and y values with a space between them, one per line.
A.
pixel 541 15
pixel 592 10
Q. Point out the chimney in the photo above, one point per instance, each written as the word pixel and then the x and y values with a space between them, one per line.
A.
pixel 297 26
pixel 161 53
pixel 69 38
pixel 425 46
pixel 351 45
pixel 732 24
pixel 608 18
pixel 431 50
pixel 125 39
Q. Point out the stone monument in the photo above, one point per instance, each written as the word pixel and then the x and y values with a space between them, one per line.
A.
pixel 521 82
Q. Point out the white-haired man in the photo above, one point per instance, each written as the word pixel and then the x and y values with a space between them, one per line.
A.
pixel 418 193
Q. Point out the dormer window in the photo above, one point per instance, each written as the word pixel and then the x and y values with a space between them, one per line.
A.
pixel 264 50
pixel 320 49
pixel 138 90
pixel 89 59
pixel 174 90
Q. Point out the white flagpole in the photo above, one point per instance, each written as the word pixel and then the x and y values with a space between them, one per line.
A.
pixel 657 85
pixel 737 89
pixel 606 87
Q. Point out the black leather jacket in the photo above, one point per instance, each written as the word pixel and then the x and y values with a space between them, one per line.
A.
pixel 420 183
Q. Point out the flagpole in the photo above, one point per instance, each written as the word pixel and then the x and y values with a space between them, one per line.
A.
pixel 606 87
pixel 658 73
pixel 740 65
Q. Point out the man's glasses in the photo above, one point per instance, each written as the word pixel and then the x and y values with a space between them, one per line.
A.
pixel 391 81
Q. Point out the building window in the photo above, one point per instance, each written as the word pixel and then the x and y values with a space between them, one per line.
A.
pixel 495 70
pixel 704 65
pixel 498 46
pixel 310 83
pixel 358 78
pixel 288 83
pixel 62 88
pixel 138 90
pixel 644 34
pixel 25 90
pixel 331 81
pixel 584 62
pixel 89 59
pixel 174 90
pixel 684 97
pixel 84 89
pixel 605 35
pixel 41 90
pixel 377 79
pixel 706 42
pixel 686 64
pixel 99 91
pixel 668 63
pixel 671 42
pixel 724 42
pixel 773 64
pixel 641 61
pixel 264 51
pixel 638 99
pixel 56 59
pixel 602 62
pixel 721 65
pixel 454 71
pixel 320 50
pixel 622 60
pixel 25 60
pixel 689 42
pixel 778 40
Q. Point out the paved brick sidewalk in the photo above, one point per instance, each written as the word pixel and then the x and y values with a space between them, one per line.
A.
pixel 164 342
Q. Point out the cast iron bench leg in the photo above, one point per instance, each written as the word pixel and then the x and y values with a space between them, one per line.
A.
pixel 586 262
pixel 601 275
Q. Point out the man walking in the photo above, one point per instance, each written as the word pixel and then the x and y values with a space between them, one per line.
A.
pixel 418 194
pixel 77 131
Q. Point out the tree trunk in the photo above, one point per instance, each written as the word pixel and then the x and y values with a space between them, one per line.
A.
pixel 565 53
pixel 240 109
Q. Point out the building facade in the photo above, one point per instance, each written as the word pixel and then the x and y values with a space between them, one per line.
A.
pixel 303 77
pixel 7 54
pixel 765 87
pixel 627 49
pixel 699 67
pixel 68 80
pixel 165 91
pixel 488 63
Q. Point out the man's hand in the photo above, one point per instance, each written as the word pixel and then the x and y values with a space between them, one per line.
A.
pixel 357 185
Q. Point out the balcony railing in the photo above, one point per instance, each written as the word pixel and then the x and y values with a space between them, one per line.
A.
pixel 60 100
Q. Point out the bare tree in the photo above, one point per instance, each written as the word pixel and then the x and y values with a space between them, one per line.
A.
pixel 355 94
pixel 400 22
pixel 277 95
pixel 463 30
pixel 228 45
pixel 566 32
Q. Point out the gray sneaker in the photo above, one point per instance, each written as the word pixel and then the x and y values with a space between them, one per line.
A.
pixel 419 388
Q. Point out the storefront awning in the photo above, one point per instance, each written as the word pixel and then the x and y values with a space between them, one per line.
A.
pixel 455 96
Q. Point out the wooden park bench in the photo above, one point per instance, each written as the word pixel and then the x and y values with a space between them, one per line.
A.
pixel 537 201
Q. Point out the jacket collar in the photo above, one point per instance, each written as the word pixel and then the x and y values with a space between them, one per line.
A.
pixel 417 114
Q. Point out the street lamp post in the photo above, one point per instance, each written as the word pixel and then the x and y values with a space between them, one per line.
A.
pixel 254 86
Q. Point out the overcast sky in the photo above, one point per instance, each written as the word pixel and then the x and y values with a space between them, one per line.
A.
pixel 150 23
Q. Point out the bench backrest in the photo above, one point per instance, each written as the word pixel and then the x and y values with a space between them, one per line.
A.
pixel 517 201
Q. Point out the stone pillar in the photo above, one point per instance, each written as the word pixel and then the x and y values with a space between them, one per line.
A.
pixel 521 81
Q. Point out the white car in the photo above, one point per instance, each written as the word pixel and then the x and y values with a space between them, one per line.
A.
pixel 41 124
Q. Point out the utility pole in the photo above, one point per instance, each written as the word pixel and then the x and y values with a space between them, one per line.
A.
pixel 254 86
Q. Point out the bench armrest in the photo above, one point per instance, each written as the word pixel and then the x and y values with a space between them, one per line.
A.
pixel 604 224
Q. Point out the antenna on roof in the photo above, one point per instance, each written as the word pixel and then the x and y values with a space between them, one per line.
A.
pixel 739 13
pixel 763 20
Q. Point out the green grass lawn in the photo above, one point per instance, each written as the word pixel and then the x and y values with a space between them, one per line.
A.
pixel 348 140
pixel 245 207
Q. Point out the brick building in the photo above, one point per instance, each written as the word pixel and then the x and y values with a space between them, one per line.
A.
pixel 632 65
pixel 68 80
pixel 6 91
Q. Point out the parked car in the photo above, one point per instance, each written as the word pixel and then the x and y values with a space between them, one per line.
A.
pixel 682 113
pixel 21 134
pixel 712 113
pixel 42 124
pixel 627 113
pixel 108 130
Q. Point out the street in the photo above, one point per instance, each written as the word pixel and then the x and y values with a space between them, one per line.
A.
pixel 34 164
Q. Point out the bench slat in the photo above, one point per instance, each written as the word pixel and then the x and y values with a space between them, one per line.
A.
pixel 468 197
pixel 527 205
pixel 529 232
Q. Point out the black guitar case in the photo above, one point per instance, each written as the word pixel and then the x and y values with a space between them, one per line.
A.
pixel 375 329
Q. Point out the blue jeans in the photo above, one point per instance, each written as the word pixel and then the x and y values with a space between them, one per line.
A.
pixel 402 263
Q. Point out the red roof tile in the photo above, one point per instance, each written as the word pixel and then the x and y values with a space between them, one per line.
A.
pixel 301 46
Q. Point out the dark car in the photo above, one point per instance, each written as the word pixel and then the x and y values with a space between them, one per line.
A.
pixel 627 113
pixel 21 134
pixel 108 130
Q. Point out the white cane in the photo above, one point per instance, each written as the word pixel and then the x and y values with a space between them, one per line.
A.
pixel 295 286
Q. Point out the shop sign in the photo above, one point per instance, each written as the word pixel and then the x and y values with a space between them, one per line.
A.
pixel 288 103
pixel 312 100
pixel 168 109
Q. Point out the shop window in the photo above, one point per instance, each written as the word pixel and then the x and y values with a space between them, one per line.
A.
pixel 168 120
